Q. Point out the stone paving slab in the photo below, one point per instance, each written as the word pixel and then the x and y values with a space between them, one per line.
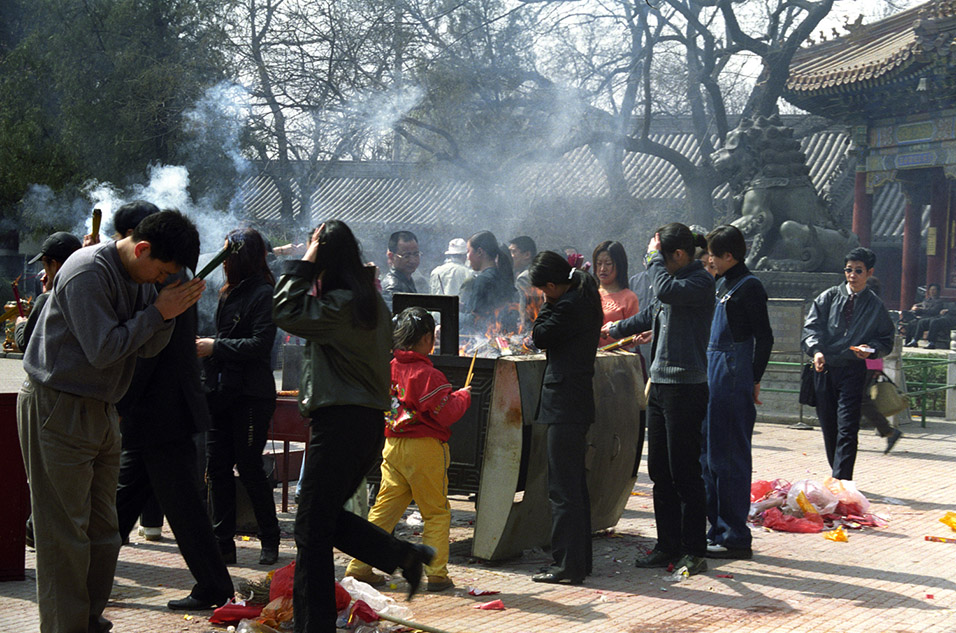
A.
pixel 887 579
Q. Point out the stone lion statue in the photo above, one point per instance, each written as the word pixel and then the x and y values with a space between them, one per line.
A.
pixel 788 226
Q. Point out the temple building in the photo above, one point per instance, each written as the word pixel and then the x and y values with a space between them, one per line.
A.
pixel 893 84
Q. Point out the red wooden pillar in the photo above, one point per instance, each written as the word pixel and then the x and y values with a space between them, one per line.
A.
pixel 911 238
pixel 862 210
pixel 936 237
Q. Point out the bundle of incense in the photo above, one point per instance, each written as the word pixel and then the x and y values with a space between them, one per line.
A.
pixel 940 539
pixel 624 342
pixel 8 314
pixel 471 370
pixel 215 262
pixel 97 218
pixel 16 296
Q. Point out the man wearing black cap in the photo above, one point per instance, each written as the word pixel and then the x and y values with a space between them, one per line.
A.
pixel 56 248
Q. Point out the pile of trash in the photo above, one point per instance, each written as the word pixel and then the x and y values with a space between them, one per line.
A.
pixel 809 506
pixel 361 608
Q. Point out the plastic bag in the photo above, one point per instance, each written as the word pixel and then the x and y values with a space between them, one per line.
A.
pixel 759 490
pixel 276 612
pixel 777 520
pixel 383 605
pixel 230 613
pixel 851 500
pixel 281 584
pixel 251 626
pixel 822 499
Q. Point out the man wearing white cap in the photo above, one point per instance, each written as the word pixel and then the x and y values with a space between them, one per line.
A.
pixel 448 278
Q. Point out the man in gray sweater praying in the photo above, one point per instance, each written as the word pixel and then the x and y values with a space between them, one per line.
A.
pixel 102 313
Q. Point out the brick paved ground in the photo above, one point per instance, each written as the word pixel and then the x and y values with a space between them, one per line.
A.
pixel 881 580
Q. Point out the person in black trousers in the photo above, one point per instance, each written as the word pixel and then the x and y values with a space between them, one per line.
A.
pixel 568 329
pixel 159 416
pixel 242 394
pixel 679 321
pixel 842 318
pixel 329 299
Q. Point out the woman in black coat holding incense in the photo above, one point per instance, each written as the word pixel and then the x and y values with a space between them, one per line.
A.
pixel 567 328
pixel 238 373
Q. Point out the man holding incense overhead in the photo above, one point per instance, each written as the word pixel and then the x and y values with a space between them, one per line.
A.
pixel 103 312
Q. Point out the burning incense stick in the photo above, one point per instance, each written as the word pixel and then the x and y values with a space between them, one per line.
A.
pixel 471 370
pixel 97 218
pixel 16 296
pixel 215 262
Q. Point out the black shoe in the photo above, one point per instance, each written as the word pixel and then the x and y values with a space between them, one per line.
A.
pixel 31 543
pixel 656 558
pixel 228 551
pixel 691 564
pixel 891 440
pixel 189 603
pixel 557 577
pixel 417 557
pixel 269 555
pixel 732 553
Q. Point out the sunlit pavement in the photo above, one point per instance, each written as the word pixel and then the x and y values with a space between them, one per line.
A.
pixel 887 579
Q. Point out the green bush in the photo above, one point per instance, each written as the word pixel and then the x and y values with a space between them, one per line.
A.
pixel 934 376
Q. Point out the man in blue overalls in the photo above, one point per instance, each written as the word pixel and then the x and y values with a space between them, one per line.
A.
pixel 737 355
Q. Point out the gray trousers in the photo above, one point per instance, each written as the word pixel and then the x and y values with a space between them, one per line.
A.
pixel 71 449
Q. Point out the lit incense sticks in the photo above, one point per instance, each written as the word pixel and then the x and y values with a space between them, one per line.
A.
pixel 471 370
pixel 97 219
pixel 215 262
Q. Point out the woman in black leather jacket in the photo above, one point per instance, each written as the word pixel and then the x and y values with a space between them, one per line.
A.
pixel 242 394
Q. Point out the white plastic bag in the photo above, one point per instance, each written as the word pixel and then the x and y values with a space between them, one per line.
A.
pixel 380 604
pixel 845 491
pixel 817 494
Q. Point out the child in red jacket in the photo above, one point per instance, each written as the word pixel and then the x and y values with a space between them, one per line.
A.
pixel 415 458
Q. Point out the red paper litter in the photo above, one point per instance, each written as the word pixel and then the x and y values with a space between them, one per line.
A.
pixel 232 613
pixel 494 605
pixel 930 596
pixel 725 575
pixel 475 591
pixel 361 611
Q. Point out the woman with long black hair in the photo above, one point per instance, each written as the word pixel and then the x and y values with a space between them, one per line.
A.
pixel 242 394
pixel 567 328
pixel 329 299
pixel 677 401
pixel 490 298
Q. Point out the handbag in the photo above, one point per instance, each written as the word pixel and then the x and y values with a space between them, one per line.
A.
pixel 886 396
pixel 808 393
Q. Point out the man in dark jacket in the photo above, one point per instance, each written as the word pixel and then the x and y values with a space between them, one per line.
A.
pixel 846 324
pixel 403 260
pixel 160 414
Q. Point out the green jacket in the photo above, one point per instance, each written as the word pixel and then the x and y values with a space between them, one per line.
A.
pixel 342 364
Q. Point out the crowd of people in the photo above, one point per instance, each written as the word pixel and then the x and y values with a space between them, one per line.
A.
pixel 121 384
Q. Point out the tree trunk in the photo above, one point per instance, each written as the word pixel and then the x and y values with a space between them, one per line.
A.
pixel 699 202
